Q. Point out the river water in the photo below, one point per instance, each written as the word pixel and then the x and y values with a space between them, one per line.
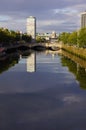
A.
pixel 42 91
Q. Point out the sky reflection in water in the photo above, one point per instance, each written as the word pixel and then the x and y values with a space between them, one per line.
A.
pixel 48 99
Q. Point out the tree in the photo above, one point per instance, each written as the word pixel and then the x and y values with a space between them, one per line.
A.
pixel 72 40
pixel 40 39
pixel 26 38
pixel 82 37
pixel 64 37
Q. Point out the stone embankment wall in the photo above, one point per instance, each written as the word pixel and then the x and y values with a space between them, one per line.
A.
pixel 80 52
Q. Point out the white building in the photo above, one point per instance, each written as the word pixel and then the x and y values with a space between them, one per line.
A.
pixel 53 34
pixel 31 27
pixel 83 19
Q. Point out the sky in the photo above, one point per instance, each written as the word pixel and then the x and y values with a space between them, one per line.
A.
pixel 51 15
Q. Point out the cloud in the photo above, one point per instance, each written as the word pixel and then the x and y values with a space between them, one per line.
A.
pixel 4 18
pixel 63 15
pixel 72 99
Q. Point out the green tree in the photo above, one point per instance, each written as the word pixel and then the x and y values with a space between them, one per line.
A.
pixel 72 40
pixel 64 37
pixel 40 39
pixel 26 38
pixel 82 37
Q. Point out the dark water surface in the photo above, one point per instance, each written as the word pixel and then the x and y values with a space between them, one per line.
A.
pixel 42 91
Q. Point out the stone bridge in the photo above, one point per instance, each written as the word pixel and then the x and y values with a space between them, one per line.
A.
pixel 53 46
pixel 59 45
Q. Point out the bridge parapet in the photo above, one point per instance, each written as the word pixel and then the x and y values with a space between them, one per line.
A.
pixel 56 44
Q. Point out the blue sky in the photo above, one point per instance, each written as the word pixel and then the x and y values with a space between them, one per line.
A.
pixel 51 15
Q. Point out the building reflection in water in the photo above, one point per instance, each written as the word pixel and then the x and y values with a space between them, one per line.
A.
pixel 31 63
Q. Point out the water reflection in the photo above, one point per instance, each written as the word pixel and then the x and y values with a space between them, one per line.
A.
pixel 8 61
pixel 77 66
pixel 49 99
pixel 31 62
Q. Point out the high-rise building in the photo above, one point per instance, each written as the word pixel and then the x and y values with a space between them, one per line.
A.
pixel 83 19
pixel 31 27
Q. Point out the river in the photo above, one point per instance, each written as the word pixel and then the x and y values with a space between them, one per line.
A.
pixel 42 91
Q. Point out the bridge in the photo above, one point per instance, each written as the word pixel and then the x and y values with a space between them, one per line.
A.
pixel 55 44
pixel 22 46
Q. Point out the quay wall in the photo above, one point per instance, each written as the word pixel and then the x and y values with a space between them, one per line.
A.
pixel 80 52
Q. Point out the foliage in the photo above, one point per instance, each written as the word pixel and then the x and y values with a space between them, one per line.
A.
pixel 72 39
pixel 77 38
pixel 40 39
pixel 8 37
pixel 64 37
pixel 26 37
pixel 82 37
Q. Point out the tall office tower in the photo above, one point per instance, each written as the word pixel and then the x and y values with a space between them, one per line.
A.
pixel 83 19
pixel 31 27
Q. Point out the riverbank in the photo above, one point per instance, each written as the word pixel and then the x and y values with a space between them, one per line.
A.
pixel 80 52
